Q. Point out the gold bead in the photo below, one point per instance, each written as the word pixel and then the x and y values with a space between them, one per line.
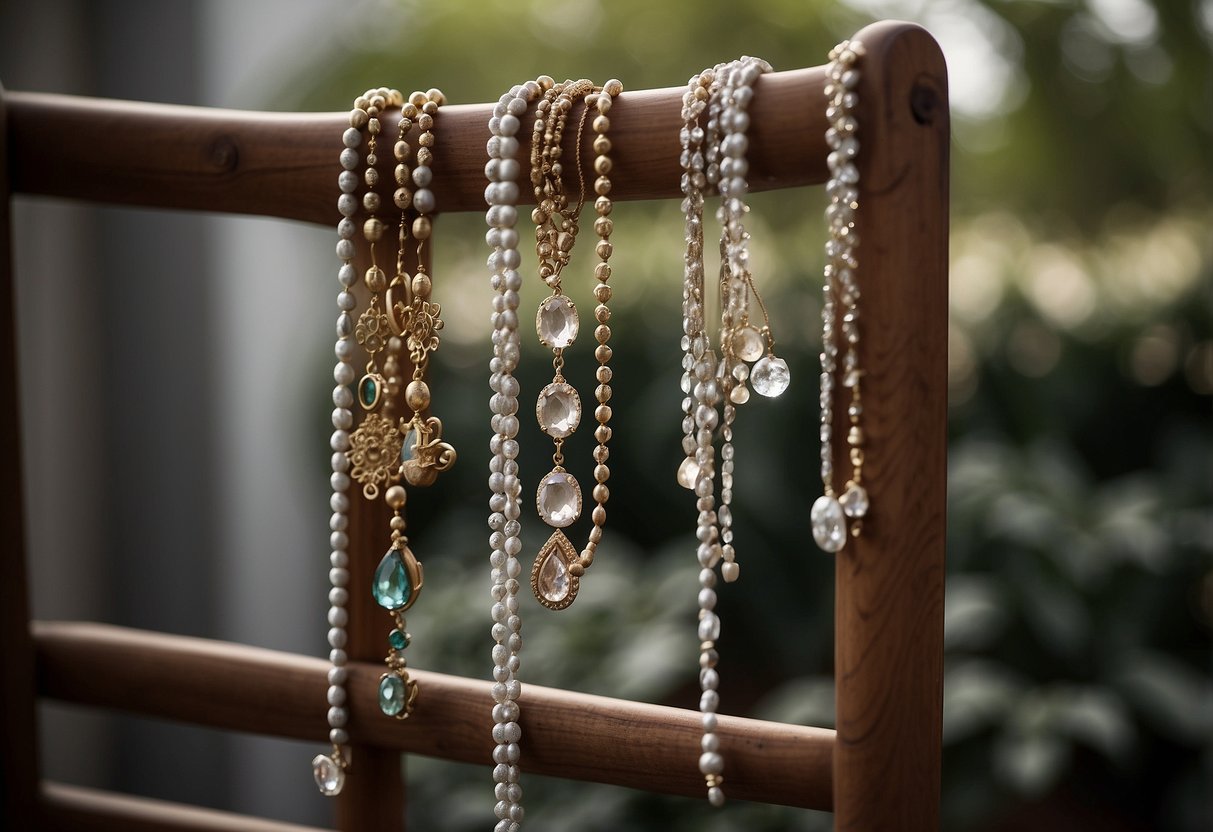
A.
pixel 602 313
pixel 602 165
pixel 402 174
pixel 425 122
pixel 422 228
pixel 434 94
pixel 375 279
pixel 603 374
pixel 603 353
pixel 576 569
pixel 601 454
pixel 601 493
pixel 417 395
pixel 613 87
pixel 361 103
pixel 599 515
pixel 545 82
pixel 602 434
pixel 403 198
pixel 378 100
pixel 601 124
pixel 372 229
pixel 417 98
pixel 855 435
pixel 371 202
pixel 370 176
pixel 602 144
pixel 422 285
pixel 602 473
pixel 358 118
pixel 602 333
pixel 595 536
pixel 603 272
pixel 395 497
pixel 409 111
pixel 602 186
pixel 424 156
pixel 397 522
pixel 603 226
pixel 426 139
pixel 602 413
pixel 604 250
pixel 429 108
pixel 603 393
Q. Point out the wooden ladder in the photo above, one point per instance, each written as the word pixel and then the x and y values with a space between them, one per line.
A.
pixel 880 768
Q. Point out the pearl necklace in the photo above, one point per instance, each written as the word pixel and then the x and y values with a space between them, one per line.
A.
pixel 501 195
pixel 830 512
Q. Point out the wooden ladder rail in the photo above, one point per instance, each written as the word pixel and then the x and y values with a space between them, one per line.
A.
pixel 880 770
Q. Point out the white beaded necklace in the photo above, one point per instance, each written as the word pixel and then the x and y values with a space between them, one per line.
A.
pixel 830 512
pixel 501 195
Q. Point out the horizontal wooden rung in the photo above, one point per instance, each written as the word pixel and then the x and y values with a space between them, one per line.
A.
pixel 565 734
pixel 76 809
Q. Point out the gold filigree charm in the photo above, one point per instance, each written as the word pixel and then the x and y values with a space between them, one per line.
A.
pixel 552 578
pixel 372 329
pixel 374 454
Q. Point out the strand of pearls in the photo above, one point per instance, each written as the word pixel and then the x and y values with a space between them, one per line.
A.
pixel 505 486
pixel 329 769
pixel 830 512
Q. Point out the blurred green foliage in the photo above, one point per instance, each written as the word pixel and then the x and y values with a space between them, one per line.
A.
pixel 1077 689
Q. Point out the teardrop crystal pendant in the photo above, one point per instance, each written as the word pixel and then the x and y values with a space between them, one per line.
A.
pixel 558 409
pixel 554 584
pixel 330 777
pixel 770 376
pixel 558 499
pixel 556 322
pixel 828 523
pixel 398 580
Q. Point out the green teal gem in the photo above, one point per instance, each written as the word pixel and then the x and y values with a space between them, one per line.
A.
pixel 391 694
pixel 368 391
pixel 398 640
pixel 409 449
pixel 391 587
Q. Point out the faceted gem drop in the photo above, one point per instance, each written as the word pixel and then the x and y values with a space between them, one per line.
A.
pixel 558 499
pixel 329 776
pixel 392 694
pixel 553 578
pixel 749 343
pixel 770 376
pixel 556 322
pixel 391 586
pixel 399 640
pixel 828 523
pixel 558 409
pixel 854 501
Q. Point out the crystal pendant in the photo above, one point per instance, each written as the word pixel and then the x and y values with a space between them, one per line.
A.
pixel 854 501
pixel 828 523
pixel 770 376
pixel 329 776
pixel 748 343
pixel 558 498
pixel 392 694
pixel 398 639
pixel 558 409
pixel 554 584
pixel 556 322
pixel 688 473
pixel 398 580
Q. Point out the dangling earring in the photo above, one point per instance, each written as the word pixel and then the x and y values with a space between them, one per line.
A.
pixel 421 453
pixel 505 509
pixel 557 569
pixel 329 769
pixel 830 512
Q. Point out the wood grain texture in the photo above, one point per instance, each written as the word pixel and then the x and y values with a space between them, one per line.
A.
pixel 572 735
pixel 890 581
pixel 18 717
pixel 285 165
pixel 74 809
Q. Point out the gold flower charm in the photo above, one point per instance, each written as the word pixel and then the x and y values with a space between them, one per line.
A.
pixel 374 453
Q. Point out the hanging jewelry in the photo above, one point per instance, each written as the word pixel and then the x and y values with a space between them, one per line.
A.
pixel 557 569
pixel 505 512
pixel 329 769
pixel 830 512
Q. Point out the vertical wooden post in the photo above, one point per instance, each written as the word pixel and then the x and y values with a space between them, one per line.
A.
pixel 19 768
pixel 890 581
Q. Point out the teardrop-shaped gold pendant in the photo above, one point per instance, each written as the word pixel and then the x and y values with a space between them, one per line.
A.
pixel 553 582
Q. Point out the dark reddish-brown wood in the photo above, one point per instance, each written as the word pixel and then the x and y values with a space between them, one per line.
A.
pixel 74 809
pixel 18 717
pixel 573 735
pixel 285 165
pixel 889 582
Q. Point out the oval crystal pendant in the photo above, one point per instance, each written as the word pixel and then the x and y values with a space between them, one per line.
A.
pixel 558 409
pixel 556 322
pixel 392 694
pixel 828 523
pixel 329 776
pixel 558 498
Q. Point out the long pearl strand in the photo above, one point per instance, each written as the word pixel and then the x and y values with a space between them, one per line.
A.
pixel 501 195
pixel 830 512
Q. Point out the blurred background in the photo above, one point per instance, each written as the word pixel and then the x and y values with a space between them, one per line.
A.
pixel 1078 692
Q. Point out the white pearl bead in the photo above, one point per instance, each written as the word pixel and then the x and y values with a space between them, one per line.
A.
pixel 336 695
pixel 338 717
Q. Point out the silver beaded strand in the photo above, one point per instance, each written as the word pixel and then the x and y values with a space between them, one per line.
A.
pixel 501 194
pixel 830 512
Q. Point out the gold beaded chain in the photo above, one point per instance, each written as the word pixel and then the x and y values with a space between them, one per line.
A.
pixel 556 573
